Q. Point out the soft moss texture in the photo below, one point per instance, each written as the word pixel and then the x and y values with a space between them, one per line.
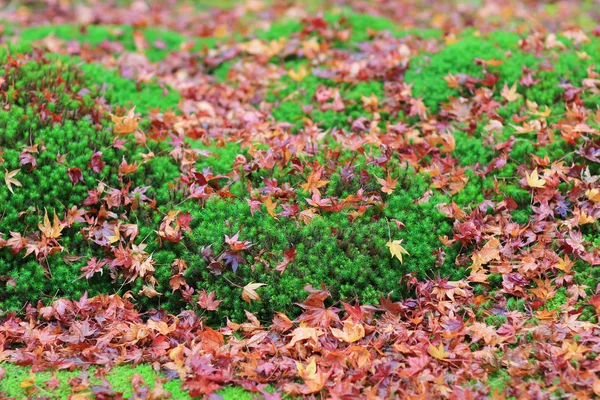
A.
pixel 118 377
pixel 160 42
pixel 427 71
pixel 350 258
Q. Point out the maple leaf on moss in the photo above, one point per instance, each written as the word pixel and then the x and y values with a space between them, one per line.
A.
pixel 510 93
pixel 10 180
pixel 125 124
pixel 314 181
pixel 396 249
pixel 300 74
pixel 51 231
pixel 249 292
pixel 387 185
pixel 207 301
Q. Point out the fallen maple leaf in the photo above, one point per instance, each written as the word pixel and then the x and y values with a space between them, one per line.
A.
pixel 125 124
pixel 510 94
pixel 438 352
pixel 300 74
pixel 593 195
pixel 268 203
pixel 534 179
pixel 352 332
pixel 51 231
pixel 396 249
pixel 149 291
pixel 249 292
pixel 9 178
pixel 315 380
pixel 303 333
pixel 387 185
pixel 28 382
pixel 207 301
pixel 596 386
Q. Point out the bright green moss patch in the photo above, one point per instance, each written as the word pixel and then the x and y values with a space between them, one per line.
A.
pixel 349 258
pixel 353 263
pixel 160 42
pixel 17 382
pixel 126 93
pixel 45 141
pixel 427 71
pixel 289 97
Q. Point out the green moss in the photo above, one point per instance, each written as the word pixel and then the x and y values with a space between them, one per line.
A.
pixel 124 92
pixel 495 320
pixel 160 42
pixel 427 71
pixel 118 377
pixel 498 381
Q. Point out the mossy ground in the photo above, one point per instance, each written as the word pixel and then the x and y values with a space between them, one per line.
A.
pixel 20 382
pixel 356 265
pixel 57 102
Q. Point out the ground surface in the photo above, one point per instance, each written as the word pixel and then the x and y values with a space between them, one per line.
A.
pixel 349 200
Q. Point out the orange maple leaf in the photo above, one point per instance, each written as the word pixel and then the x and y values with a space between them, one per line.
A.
pixel 125 124
pixel 313 378
pixel 387 185
pixel 270 206
pixel 314 181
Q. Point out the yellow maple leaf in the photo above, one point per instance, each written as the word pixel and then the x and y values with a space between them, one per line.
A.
pixel 314 380
pixel 28 382
pixel 51 231
pixel 116 237
pixel 309 372
pixel 593 195
pixel 300 74
pixel 534 179
pixel 351 333
pixel 438 352
pixel 396 249
pixel 544 114
pixel 249 292
pixel 268 203
pixel 564 264
pixel 9 178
